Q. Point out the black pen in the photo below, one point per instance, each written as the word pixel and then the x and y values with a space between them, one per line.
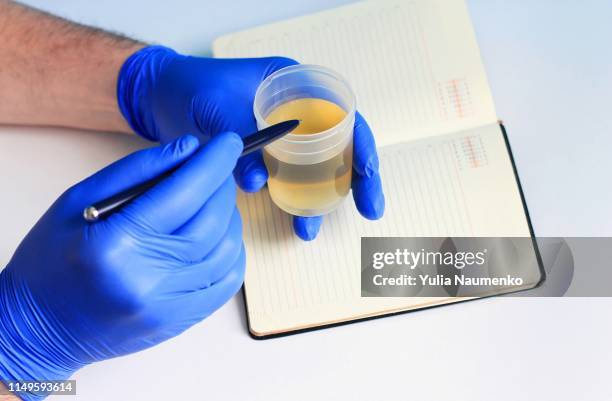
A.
pixel 252 142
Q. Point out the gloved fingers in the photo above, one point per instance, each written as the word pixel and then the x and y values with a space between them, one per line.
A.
pixel 176 312
pixel 209 224
pixel 368 196
pixel 366 184
pixel 134 169
pixel 365 157
pixel 213 266
pixel 175 200
pixel 197 305
pixel 307 228
pixel 250 172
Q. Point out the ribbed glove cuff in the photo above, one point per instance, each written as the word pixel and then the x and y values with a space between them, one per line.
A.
pixel 27 349
pixel 137 74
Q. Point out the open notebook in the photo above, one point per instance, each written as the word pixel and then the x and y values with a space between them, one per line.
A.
pixel 445 164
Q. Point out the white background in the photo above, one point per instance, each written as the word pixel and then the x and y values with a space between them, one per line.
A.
pixel 550 69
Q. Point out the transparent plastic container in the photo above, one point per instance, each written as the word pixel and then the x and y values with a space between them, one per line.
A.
pixel 309 173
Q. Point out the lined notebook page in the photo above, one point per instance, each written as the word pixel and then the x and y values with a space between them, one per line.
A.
pixel 459 184
pixel 413 64
pixel 419 80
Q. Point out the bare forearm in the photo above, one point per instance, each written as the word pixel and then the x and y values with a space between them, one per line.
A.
pixel 58 73
pixel 4 396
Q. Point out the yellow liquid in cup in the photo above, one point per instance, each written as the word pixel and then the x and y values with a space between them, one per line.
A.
pixel 307 190
pixel 316 115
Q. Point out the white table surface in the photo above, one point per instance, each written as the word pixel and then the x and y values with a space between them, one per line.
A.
pixel 550 69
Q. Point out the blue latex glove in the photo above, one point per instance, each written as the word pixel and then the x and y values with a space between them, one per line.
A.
pixel 76 293
pixel 163 94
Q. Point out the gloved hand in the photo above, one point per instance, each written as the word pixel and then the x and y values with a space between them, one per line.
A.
pixel 163 94
pixel 76 293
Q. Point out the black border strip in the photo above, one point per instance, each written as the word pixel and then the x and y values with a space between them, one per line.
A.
pixel 326 326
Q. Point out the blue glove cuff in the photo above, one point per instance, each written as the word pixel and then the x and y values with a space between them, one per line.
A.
pixel 26 350
pixel 135 76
